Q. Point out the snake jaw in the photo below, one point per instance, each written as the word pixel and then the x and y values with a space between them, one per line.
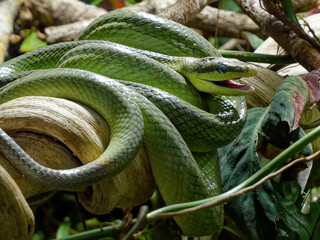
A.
pixel 233 85
pixel 235 88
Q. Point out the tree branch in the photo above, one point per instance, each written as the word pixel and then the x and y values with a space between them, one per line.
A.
pixel 297 30
pixel 70 25
pixel 185 10
pixel 299 48
pixel 230 24
pixel 59 12
pixel 16 218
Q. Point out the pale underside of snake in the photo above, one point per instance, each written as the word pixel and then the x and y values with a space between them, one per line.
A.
pixel 155 100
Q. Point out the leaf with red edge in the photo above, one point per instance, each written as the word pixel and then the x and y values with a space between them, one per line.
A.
pixel 294 95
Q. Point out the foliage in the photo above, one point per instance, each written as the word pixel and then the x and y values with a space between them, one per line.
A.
pixel 259 212
pixel 255 212
pixel 31 42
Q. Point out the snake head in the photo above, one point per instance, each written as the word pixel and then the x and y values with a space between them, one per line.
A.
pixel 216 74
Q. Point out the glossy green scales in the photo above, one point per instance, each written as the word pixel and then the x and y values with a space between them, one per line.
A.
pixel 145 97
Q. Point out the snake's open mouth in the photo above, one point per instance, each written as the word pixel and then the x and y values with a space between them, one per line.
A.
pixel 233 85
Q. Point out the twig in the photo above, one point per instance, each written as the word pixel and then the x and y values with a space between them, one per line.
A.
pixel 311 125
pixel 97 233
pixel 238 193
pixel 139 222
pixel 82 218
pixel 314 35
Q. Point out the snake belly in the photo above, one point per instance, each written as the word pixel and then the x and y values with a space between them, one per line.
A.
pixel 180 175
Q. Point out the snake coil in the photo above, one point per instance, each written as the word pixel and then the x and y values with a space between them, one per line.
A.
pixel 136 109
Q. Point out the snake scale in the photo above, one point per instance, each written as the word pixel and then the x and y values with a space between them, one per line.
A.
pixel 147 77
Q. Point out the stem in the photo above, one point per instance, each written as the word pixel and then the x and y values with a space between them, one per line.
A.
pixel 311 125
pixel 139 222
pixel 257 57
pixel 267 169
pixel 97 233
pixel 289 13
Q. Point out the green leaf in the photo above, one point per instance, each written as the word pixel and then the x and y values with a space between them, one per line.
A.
pixel 92 2
pixel 64 228
pixel 253 39
pixel 302 224
pixel 229 5
pixel 91 223
pixel 144 234
pixel 31 42
pixel 291 191
pixel 39 235
pixel 256 211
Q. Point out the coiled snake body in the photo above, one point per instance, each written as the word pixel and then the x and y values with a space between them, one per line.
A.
pixel 138 107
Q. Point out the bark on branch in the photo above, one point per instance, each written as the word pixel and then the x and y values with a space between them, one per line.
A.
pixel 227 23
pixel 299 48
pixel 16 217
pixel 185 10
pixel 230 24
pixel 59 12
pixel 44 123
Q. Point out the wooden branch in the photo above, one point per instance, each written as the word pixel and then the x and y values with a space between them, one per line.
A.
pixel 230 24
pixel 233 44
pixel 299 49
pixel 293 27
pixel 271 47
pixel 66 32
pixel 185 10
pixel 16 217
pixel 144 6
pixel 70 30
pixel 66 129
pixel 59 12
pixel 8 13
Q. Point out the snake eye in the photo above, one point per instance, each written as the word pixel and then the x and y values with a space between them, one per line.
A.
pixel 222 69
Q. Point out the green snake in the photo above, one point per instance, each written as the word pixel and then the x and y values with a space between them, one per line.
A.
pixel 154 81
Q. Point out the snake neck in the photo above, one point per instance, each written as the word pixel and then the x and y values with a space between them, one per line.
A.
pixel 178 64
